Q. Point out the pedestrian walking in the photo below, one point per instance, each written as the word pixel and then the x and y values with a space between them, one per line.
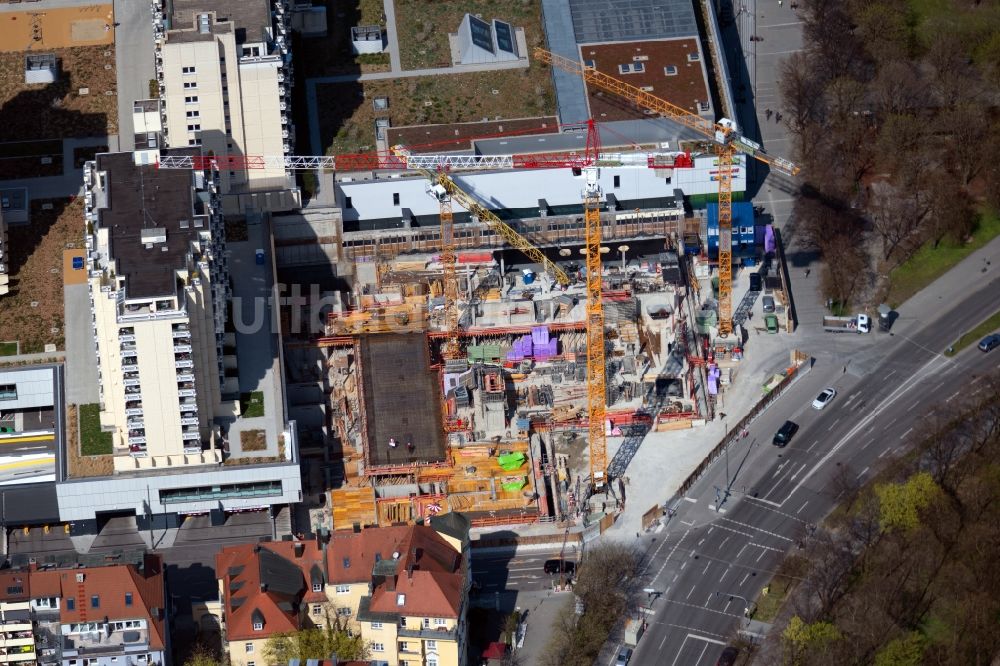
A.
pixel 845 369
pixel 767 113
pixel 777 117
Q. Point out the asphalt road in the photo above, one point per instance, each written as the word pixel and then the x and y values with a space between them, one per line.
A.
pixel 500 571
pixel 711 560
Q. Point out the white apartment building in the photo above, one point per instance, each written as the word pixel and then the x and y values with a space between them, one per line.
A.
pixel 158 287
pixel 225 76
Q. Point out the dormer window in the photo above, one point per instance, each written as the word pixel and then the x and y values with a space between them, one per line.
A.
pixel 400 600
pixel 258 626
pixel 317 587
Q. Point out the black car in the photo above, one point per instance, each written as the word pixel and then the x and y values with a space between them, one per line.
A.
pixel 785 432
pixel 756 283
pixel 559 566
pixel 728 657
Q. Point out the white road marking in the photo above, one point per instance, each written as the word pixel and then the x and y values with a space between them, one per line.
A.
pixel 890 374
pixel 691 499
pixel 670 555
pixel 709 600
pixel 799 471
pixel 914 405
pixel 863 472
pixel 724 574
pixel 728 604
pixel 903 436
pixel 927 368
pixel 812 445
pixel 850 399
pixel 778 471
pixel 683 564
pixel 746 534
pixel 769 53
pixel 706 569
pixel 721 545
pixel 741 551
pixel 761 556
pixel 691 592
pixel 744 579
pixel 701 542
pixel 759 529
pixel 802 507
pixel 866 444
pixel 884 453
pixel 833 425
pixel 952 396
pixel 780 25
pixel 760 545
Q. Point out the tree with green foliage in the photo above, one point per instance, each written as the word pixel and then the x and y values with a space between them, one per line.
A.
pixel 315 643
pixel 907 650
pixel 800 638
pixel 202 655
pixel 900 503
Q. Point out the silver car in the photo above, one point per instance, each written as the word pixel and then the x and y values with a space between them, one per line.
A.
pixel 824 398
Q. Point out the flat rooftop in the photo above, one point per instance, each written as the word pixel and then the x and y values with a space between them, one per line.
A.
pixel 250 18
pixel 140 199
pixel 665 68
pixel 621 20
pixel 402 400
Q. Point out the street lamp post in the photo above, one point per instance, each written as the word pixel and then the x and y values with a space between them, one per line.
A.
pixel 746 603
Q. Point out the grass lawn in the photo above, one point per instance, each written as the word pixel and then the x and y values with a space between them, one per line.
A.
pixel 8 348
pixel 252 404
pixel 423 26
pixel 930 263
pixel 330 55
pixel 93 442
pixel 253 440
pixel 32 312
pixel 788 574
pixel 976 334
pixel 347 118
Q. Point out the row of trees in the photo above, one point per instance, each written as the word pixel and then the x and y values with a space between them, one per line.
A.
pixel 894 120
pixel 904 573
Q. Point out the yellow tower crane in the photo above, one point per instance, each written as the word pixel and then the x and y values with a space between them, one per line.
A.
pixel 727 141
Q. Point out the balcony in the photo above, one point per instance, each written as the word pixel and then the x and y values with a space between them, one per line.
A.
pixel 182 348
pixel 132 395
pixel 135 424
pixel 184 363
pixel 134 411
pixel 138 439
pixel 189 421
pixel 131 381
pixel 188 435
pixel 126 338
pixel 188 406
pixel 185 377
pixel 181 333
pixel 429 634
pixel 101 642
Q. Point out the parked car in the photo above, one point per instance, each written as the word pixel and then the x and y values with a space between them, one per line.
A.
pixel 259 257
pixel 771 323
pixel 624 656
pixel 824 398
pixel 768 303
pixel 728 657
pixel 756 283
pixel 559 566
pixel 785 433
pixel 989 342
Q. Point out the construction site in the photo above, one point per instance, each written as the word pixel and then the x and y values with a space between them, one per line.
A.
pixel 501 318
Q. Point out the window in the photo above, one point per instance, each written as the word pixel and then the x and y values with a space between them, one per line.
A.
pixel 191 99
pixel 618 181
pixel 432 661
pixel 693 57
pixel 95 601
pixel 670 70
pixel 378 647
pixel 194 128
pixel 344 589
pixel 427 623
pixel 631 68
pixel 317 609
pixel 190 84
pixel 432 645
pixel 395 198
pixel 193 114
pixel 70 603
pixel 347 202
pixel 402 622
pixel 128 598
pixel 248 647
pixel 344 612
pixel 317 587
pixel 8 391
pixel 188 70
pixel 194 142
pixel 400 601
pixel 590 63
pixel 440 622
pixel 250 663
pixel 258 626
pixel 376 625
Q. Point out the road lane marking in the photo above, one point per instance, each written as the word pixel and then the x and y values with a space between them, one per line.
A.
pixel 691 592
pixel 852 397
pixel 676 576
pixel 918 376
pixel 903 436
pixel 780 467
pixel 724 573
pixel 884 453
pixel 914 405
pixel 669 555
pixel 691 499
pixel 701 608
pixel 863 472
pixel 952 396
pixel 683 564
pixel 722 545
pixel 802 507
pixel 866 444
pixel 889 424
pixel 833 425
pixel 746 534
pixel 812 445
pixel 759 529
pixel 701 542
pixel 890 374
pixel 799 471
pixel 741 551
pixel 761 556
pixel 760 545
pixel 744 579
pixel 706 569
pixel 728 604
pixel 709 600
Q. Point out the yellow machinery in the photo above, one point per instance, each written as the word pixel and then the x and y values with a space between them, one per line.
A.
pixel 727 141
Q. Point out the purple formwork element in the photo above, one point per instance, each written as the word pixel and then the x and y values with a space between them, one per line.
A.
pixel 769 244
pixel 540 335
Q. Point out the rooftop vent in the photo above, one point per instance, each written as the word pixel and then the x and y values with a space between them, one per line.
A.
pixel 204 24
pixel 153 235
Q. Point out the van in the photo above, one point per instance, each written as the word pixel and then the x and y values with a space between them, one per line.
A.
pixel 768 303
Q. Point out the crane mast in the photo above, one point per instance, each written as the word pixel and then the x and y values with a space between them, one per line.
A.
pixel 596 369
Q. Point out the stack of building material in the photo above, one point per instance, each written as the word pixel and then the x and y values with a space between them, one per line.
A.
pixel 353 506
pixel 537 345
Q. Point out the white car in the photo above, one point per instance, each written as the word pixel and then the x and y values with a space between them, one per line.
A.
pixel 824 398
